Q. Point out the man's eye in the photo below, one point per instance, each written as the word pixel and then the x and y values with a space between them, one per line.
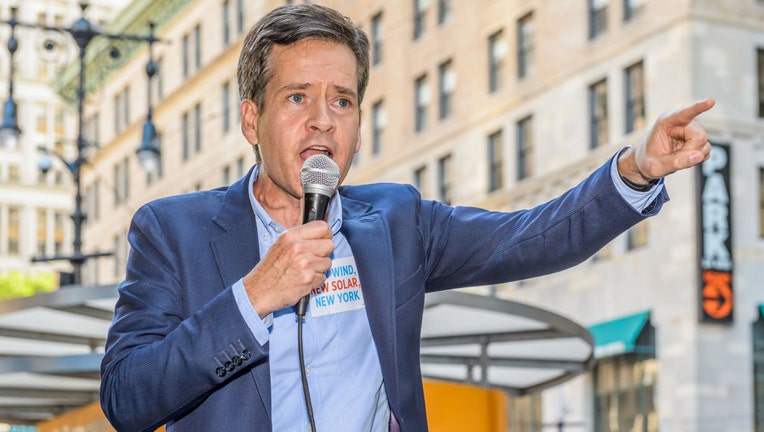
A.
pixel 344 103
pixel 296 98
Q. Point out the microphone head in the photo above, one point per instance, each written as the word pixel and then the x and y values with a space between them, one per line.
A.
pixel 319 174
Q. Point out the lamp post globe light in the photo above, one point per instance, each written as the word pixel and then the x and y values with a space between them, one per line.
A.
pixel 82 32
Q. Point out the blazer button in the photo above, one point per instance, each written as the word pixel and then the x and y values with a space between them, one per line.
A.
pixel 229 366
pixel 220 371
pixel 649 207
pixel 236 360
pixel 245 355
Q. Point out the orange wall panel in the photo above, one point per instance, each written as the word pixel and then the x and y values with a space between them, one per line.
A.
pixel 89 418
pixel 455 407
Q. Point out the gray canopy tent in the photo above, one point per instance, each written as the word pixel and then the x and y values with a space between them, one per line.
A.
pixel 51 347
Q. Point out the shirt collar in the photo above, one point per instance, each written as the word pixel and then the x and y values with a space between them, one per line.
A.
pixel 334 217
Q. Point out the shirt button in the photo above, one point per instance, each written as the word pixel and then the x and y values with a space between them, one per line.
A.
pixel 307 370
pixel 265 238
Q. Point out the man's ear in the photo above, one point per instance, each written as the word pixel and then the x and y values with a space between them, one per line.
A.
pixel 249 116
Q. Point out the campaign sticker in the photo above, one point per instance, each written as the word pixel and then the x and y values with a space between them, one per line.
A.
pixel 340 292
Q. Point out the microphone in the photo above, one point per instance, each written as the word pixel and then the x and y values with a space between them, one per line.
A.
pixel 319 177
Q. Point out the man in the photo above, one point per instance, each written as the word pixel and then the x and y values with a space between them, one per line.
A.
pixel 204 334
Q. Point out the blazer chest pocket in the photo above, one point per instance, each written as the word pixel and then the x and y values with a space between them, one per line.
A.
pixel 409 287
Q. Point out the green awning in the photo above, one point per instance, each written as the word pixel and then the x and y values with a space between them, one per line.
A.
pixel 618 336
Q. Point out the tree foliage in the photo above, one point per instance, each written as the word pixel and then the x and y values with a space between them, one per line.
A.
pixel 17 284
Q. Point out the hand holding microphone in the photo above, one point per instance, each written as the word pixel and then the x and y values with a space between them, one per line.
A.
pixel 299 258
pixel 319 177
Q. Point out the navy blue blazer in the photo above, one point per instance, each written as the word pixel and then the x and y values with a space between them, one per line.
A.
pixel 177 327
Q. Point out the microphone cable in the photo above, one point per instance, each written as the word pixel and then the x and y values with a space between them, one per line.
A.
pixel 319 177
pixel 305 388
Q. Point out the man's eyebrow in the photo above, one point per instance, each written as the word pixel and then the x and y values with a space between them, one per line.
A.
pixel 295 86
pixel 345 91
pixel 302 86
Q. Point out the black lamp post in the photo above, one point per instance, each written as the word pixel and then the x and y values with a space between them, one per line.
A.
pixel 83 32
pixel 9 129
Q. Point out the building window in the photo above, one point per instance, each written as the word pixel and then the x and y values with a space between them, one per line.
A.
pixel 92 201
pixel 92 129
pixel 444 179
pixel 120 255
pixel 42 119
pixel 598 120
pixel 597 17
pixel 525 46
pixel 126 106
pixel 58 122
pixel 227 175
pixel 226 10
pixel 197 47
pixel 117 113
pixel 446 87
pixel 635 97
pixel 633 9
pixel 495 161
pixel 14 230
pixel 378 123
pixel 524 413
pixel 420 8
pixel 377 38
pixel 117 174
pixel 126 178
pixel 496 52
pixel 444 11
pixel 184 56
pixel 760 75
pixel 197 128
pixel 240 167
pixel 226 102
pixel 636 236
pixel 58 232
pixel 422 100
pixel 761 204
pixel 420 179
pixel 240 16
pixel 121 181
pixel 185 138
pixel 121 110
pixel 758 372
pixel 42 231
pixel 14 173
pixel 624 388
pixel 524 148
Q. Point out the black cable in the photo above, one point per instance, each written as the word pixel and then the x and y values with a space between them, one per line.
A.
pixel 305 388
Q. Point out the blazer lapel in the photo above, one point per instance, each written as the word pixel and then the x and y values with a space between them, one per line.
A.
pixel 236 252
pixel 369 238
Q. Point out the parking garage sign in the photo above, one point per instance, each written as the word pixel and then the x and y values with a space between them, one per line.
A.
pixel 717 296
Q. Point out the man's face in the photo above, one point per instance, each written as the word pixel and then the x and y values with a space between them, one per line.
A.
pixel 311 107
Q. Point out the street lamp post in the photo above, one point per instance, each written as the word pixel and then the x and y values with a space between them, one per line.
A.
pixel 9 129
pixel 83 32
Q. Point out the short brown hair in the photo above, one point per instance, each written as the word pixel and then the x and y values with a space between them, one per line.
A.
pixel 286 25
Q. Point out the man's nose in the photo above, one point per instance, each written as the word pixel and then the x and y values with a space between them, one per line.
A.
pixel 321 118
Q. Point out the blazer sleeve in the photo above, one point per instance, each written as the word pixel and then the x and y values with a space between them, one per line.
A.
pixel 165 345
pixel 469 246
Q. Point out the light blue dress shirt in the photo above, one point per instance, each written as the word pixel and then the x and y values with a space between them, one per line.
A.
pixel 344 374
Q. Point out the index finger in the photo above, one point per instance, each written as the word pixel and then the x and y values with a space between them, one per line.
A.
pixel 685 115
